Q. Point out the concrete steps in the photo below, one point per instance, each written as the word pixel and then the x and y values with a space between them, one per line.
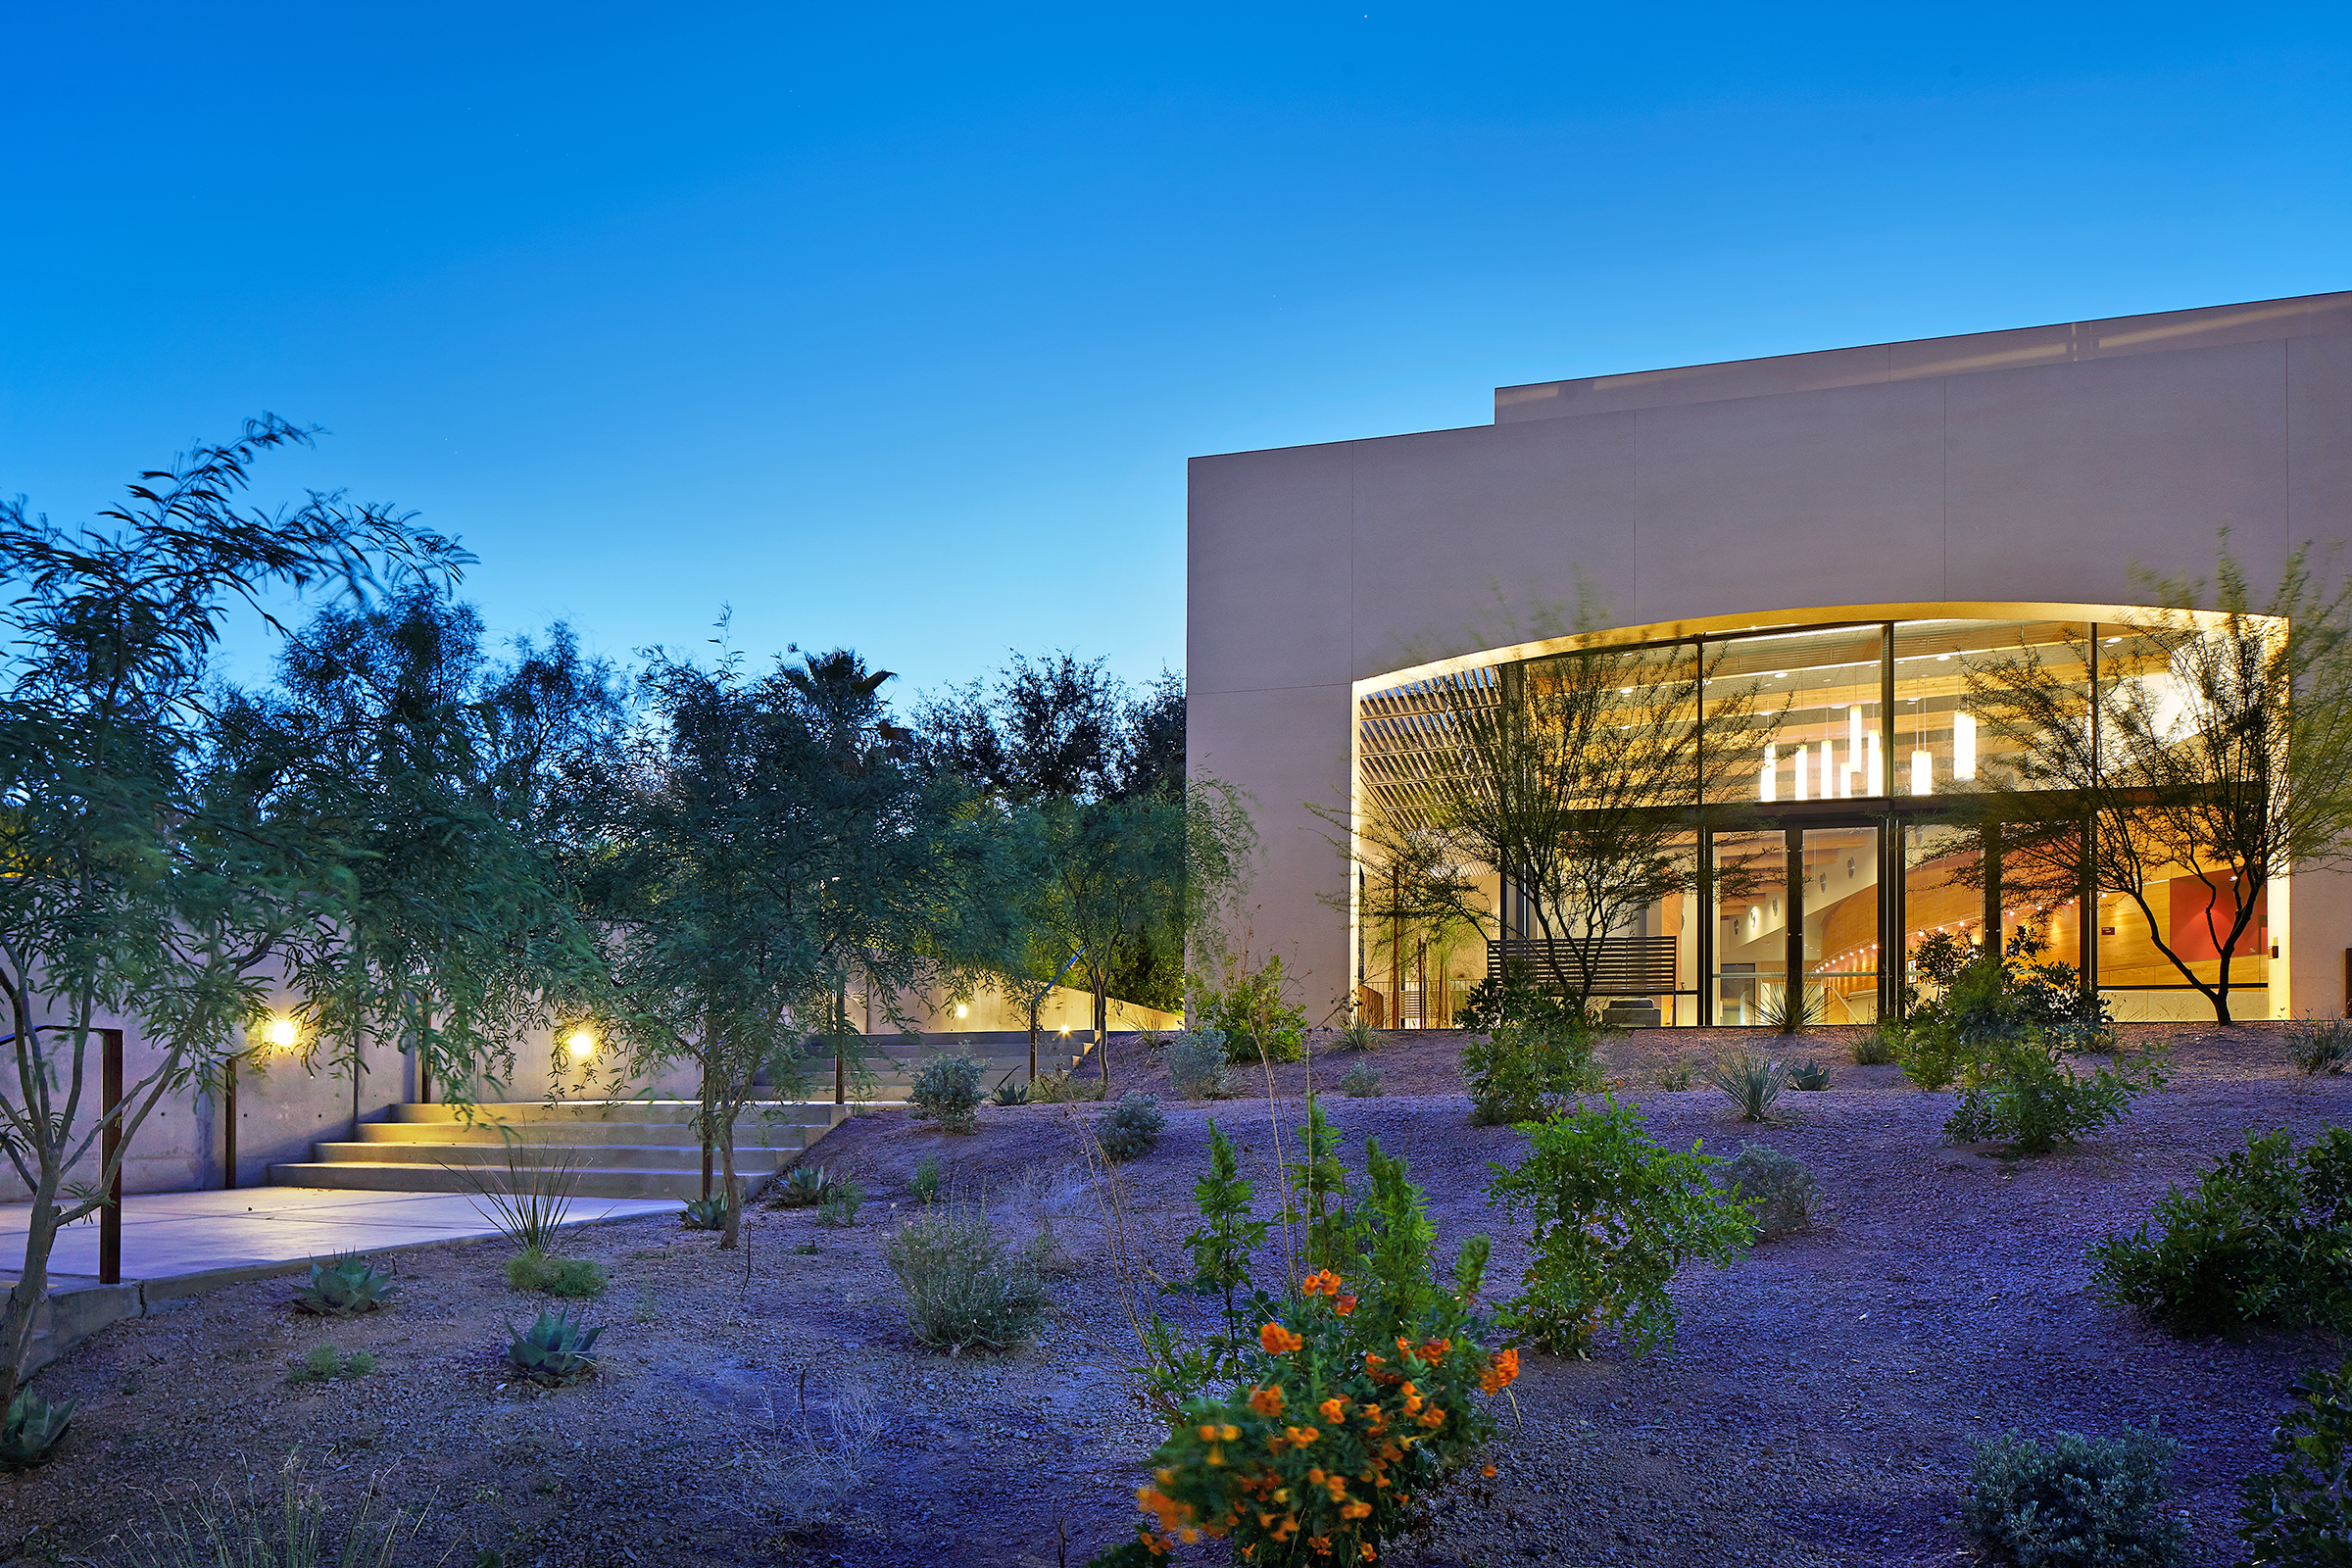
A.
pixel 617 1148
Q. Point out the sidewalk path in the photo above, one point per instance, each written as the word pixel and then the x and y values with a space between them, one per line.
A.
pixel 171 1235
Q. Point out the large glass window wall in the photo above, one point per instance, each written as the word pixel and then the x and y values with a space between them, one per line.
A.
pixel 1853 744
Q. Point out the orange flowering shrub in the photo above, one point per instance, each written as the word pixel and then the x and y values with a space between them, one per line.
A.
pixel 1350 1408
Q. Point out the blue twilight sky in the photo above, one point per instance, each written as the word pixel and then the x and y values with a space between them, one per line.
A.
pixel 894 325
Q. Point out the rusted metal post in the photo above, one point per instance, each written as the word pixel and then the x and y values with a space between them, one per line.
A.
pixel 110 1149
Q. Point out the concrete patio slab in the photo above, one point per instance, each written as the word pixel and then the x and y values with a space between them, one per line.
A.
pixel 167 1235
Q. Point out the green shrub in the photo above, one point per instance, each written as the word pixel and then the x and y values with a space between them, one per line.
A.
pixel 963 1291
pixel 2023 1093
pixel 704 1213
pixel 1011 1092
pixel 1355 1034
pixel 1197 1065
pixel 325 1364
pixel 923 1185
pixel 1251 1017
pixel 840 1208
pixel 1376 1349
pixel 2266 1237
pixel 1516 999
pixel 1778 1188
pixel 1512 1071
pixel 947 1091
pixel 554 1276
pixel 1361 1081
pixel 2301 1512
pixel 803 1186
pixel 349 1285
pixel 1064 1089
pixel 1751 1079
pixel 553 1349
pixel 1614 1217
pixel 30 1429
pixel 2075 1502
pixel 2322 1045
pixel 1987 999
pixel 1811 1076
pixel 1127 1130
pixel 1878 1045
pixel 1675 1078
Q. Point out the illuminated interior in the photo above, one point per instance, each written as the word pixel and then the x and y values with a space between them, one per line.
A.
pixel 1841 825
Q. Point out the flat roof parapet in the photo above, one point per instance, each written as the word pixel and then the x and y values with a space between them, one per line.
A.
pixel 2258 320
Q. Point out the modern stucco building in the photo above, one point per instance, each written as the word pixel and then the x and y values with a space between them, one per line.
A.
pixel 1843 531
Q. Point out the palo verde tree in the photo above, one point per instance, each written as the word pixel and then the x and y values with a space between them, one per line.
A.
pixel 127 888
pixel 448 788
pixel 2215 747
pixel 1113 855
pixel 1578 776
pixel 766 850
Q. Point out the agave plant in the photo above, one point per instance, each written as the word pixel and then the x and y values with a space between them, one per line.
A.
pixel 30 1430
pixel 705 1213
pixel 554 1349
pixel 802 1187
pixel 1009 1093
pixel 348 1285
pixel 1812 1075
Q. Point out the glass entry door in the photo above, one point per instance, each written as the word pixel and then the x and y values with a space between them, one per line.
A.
pixel 1842 905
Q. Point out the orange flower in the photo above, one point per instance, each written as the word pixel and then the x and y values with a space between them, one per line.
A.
pixel 1369 1554
pixel 1433 1418
pixel 1322 1283
pixel 1277 1340
pixel 1502 1367
pixel 1321 1544
pixel 1300 1437
pixel 1344 1305
pixel 1266 1401
pixel 1335 1410
pixel 1432 1350
pixel 1488 1472
pixel 1412 1398
pixel 1354 1510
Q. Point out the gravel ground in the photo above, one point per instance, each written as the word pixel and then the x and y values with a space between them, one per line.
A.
pixel 1818 1406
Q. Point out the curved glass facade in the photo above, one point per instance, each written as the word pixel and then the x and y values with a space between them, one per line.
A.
pixel 1814 868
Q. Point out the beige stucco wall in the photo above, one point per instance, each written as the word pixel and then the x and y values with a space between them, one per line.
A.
pixel 2032 466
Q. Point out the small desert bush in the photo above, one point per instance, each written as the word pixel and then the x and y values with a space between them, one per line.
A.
pixel 2075 1502
pixel 2026 1094
pixel 1791 1009
pixel 1063 1089
pixel 923 1185
pixel 1675 1077
pixel 1751 1079
pixel 1197 1065
pixel 288 1526
pixel 1127 1130
pixel 2301 1511
pixel 1514 1069
pixel 1361 1081
pixel 947 1091
pixel 2265 1237
pixel 1811 1076
pixel 1251 1017
pixel 1614 1217
pixel 325 1363
pixel 1878 1045
pixel 2320 1046
pixel 1010 1091
pixel 554 1276
pixel 963 1291
pixel 842 1202
pixel 1779 1190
